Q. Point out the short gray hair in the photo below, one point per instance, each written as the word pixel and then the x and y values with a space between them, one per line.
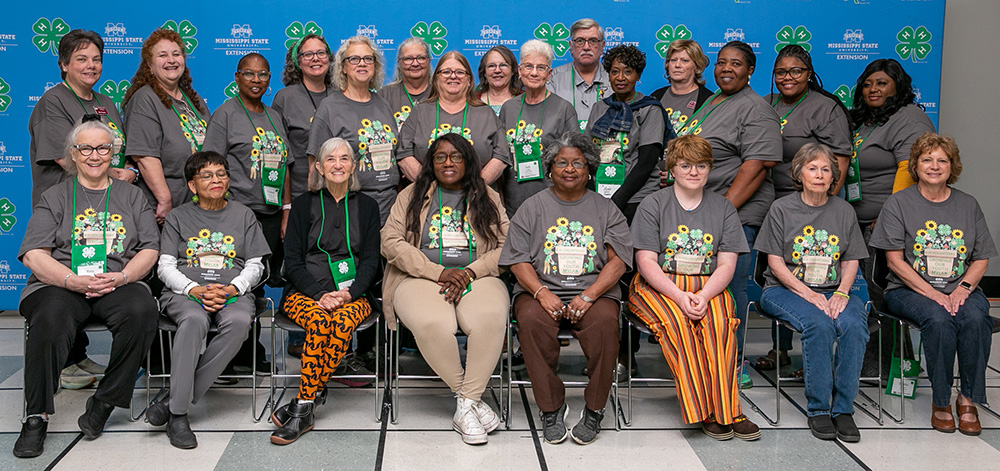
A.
pixel 75 133
pixel 808 153
pixel 586 23
pixel 317 182
pixel 378 77
pixel 539 47
pixel 397 76
pixel 572 138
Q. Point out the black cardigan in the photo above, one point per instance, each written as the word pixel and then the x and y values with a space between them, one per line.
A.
pixel 703 94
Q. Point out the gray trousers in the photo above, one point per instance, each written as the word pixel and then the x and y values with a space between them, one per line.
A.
pixel 191 371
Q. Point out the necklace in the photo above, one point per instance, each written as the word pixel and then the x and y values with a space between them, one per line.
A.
pixel 104 195
pixel 693 207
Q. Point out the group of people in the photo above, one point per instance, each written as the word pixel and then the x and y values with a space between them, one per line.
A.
pixel 617 198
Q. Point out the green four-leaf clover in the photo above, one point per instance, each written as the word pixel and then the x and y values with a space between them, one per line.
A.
pixel 556 35
pixel 115 91
pixel 232 90
pixel 787 36
pixel 913 44
pixel 187 32
pixel 4 97
pixel 296 31
pixel 7 219
pixel 48 33
pixel 846 95
pixel 668 34
pixel 433 35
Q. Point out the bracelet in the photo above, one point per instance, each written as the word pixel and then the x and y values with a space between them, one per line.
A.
pixel 286 207
pixel 472 274
pixel 124 276
pixel 539 289
pixel 585 298
pixel 838 293
pixel 65 279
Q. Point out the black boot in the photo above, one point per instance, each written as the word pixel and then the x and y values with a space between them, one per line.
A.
pixel 179 432
pixel 300 420
pixel 92 421
pixel 280 415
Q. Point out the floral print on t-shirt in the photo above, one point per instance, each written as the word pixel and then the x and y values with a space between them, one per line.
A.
pixel 815 254
pixel 569 248
pixel 940 251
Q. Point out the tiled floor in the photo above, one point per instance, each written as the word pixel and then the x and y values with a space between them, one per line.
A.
pixel 347 436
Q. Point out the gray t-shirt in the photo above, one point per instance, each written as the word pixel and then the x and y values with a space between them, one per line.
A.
pixel 51 121
pixel 939 240
pixel 741 128
pixel 233 135
pixel 883 149
pixel 370 130
pixel 813 241
pixel 128 226
pixel 571 86
pixel 212 246
pixel 679 108
pixel 401 102
pixel 293 102
pixel 647 128
pixel 447 235
pixel 154 130
pixel 543 123
pixel 424 123
pixel 565 241
pixel 684 240
pixel 817 119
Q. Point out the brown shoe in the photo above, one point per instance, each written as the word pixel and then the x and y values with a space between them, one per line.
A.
pixel 942 425
pixel 744 429
pixel 716 430
pixel 968 427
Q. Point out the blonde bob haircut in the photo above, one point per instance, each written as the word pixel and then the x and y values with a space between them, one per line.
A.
pixel 929 141
pixel 318 182
pixel 691 149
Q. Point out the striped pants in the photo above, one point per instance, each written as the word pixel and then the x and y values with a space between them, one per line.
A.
pixel 701 354
pixel 328 335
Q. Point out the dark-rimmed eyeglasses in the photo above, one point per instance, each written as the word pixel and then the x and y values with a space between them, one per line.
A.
pixel 594 42
pixel 411 59
pixel 795 72
pixel 85 150
pixel 456 157
pixel 221 175
pixel 309 55
pixel 355 60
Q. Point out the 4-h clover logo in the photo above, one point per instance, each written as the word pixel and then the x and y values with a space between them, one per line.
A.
pixel 187 32
pixel 115 91
pixel 556 35
pixel 342 267
pixel 231 90
pixel 526 149
pixel 433 35
pixel 48 33
pixel 7 219
pixel 786 36
pixel 272 175
pixel 905 365
pixel 913 44
pixel 297 31
pixel 610 171
pixel 4 97
pixel 668 34
pixel 846 95
pixel 89 252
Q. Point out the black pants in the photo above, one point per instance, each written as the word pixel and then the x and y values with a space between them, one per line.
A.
pixel 54 315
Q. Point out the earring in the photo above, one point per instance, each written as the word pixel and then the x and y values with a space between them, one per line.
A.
pixel 589 177
pixel 268 92
pixel 194 198
pixel 227 195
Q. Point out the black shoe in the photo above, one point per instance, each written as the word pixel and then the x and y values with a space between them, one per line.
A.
pixel 263 367
pixel 517 361
pixel 295 350
pixel 280 415
pixel 554 425
pixel 158 413
pixel 92 421
pixel 847 430
pixel 179 432
pixel 822 427
pixel 585 431
pixel 31 442
pixel 300 420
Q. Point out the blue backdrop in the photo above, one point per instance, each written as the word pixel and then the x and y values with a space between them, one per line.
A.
pixel 842 35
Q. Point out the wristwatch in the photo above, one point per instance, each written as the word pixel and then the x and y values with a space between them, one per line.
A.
pixel 966 285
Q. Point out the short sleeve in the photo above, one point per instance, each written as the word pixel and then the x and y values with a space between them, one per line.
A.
pixel 889 232
pixel 734 240
pixel 143 129
pixel 517 247
pixel 760 135
pixel 216 136
pixel 646 224
pixel 769 236
pixel 651 126
pixel 617 234
pixel 498 141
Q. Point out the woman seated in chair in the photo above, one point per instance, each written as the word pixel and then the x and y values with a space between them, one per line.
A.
pixel 812 243
pixel 686 244
pixel 568 246
pixel 441 242
pixel 331 258
pixel 212 253
pixel 89 243
pixel 938 247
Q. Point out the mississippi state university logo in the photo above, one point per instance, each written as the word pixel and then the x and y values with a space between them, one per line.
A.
pixel 117 40
pixel 241 41
pixel 615 36
pixel 433 34
pixel 853 47
pixel 731 34
pixel 8 163
pixel 489 36
pixel 371 32
pixel 7 40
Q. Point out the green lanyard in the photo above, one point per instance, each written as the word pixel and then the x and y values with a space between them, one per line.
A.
pixel 118 160
pixel 347 225
pixel 254 126
pixel 784 119
pixel 188 127
pixel 852 182
pixel 91 259
pixel 691 128
pixel 437 118
pixel 343 271
pixel 540 116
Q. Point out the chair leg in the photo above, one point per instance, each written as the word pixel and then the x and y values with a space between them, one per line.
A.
pixel 628 394
pixel 395 375
pixel 510 376
pixel 378 397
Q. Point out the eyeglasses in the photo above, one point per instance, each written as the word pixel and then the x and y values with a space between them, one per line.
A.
pixel 563 164
pixel 532 67
pixel 411 59
pixel 686 167
pixel 249 74
pixel 456 158
pixel 500 66
pixel 594 42
pixel 85 150
pixel 452 73
pixel 309 55
pixel 221 175
pixel 355 60
pixel 795 72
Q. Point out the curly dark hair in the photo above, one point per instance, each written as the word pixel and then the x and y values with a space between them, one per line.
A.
pixel 515 87
pixel 484 216
pixel 144 76
pixel 815 83
pixel 291 74
pixel 630 55
pixel 864 114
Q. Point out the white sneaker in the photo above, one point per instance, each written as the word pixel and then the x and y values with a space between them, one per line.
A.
pixel 466 423
pixel 487 418
pixel 72 377
pixel 91 366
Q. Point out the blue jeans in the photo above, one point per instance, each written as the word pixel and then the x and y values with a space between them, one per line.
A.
pixel 968 334
pixel 829 372
pixel 738 286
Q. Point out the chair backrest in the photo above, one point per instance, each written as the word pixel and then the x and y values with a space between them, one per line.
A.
pixel 760 264
pixel 880 269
